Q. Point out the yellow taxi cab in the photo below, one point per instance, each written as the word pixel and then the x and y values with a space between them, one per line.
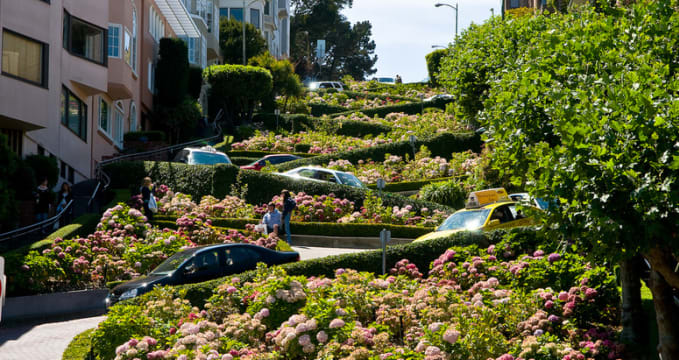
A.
pixel 485 210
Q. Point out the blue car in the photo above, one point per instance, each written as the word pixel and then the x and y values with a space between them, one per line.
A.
pixel 201 264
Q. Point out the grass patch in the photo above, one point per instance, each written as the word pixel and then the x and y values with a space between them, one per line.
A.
pixel 79 347
pixel 120 195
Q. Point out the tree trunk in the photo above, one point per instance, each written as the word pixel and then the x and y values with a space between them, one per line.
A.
pixel 663 261
pixel 666 316
pixel 634 332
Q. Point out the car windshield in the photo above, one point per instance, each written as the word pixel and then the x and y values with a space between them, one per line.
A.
pixel 170 264
pixel 350 179
pixel 465 220
pixel 206 158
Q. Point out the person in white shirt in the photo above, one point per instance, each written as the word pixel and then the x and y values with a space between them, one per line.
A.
pixel 272 219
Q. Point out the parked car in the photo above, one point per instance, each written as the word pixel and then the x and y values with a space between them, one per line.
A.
pixel 201 264
pixel 485 210
pixel 273 159
pixel 206 155
pixel 542 204
pixel 385 80
pixel 322 174
pixel 326 85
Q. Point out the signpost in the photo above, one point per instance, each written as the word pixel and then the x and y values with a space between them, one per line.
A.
pixel 413 140
pixel 385 237
pixel 3 284
pixel 380 185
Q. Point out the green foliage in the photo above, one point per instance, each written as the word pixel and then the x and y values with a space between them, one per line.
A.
pixel 180 119
pixel 154 135
pixel 451 193
pixel 409 186
pixel 79 347
pixel 285 82
pixel 286 122
pixel 195 180
pixel 240 161
pixel 172 72
pixel 236 89
pixel 231 41
pixel 259 154
pixel 195 82
pixel 8 162
pixel 83 225
pixel 326 109
pixel 434 64
pixel 44 167
pixel 409 109
pixel 123 323
pixel 441 145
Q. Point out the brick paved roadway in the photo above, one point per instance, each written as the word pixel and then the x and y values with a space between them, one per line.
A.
pixel 35 341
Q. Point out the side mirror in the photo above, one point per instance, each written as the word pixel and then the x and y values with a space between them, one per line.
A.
pixel 494 222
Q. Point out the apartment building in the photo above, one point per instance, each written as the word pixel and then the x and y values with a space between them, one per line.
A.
pixel 271 17
pixel 77 75
pixel 514 4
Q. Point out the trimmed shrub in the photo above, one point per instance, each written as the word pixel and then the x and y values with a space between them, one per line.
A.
pixel 361 128
pixel 286 121
pixel 172 72
pixel 434 64
pixel 407 185
pixel 260 154
pixel 241 160
pixel 371 95
pixel 195 82
pixel 144 136
pixel 441 145
pixel 44 167
pixel 326 109
pixel 195 180
pixel 302 148
pixel 236 89
pixel 409 109
pixel 315 228
pixel 450 193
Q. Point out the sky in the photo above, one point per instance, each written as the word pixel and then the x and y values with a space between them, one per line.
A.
pixel 405 30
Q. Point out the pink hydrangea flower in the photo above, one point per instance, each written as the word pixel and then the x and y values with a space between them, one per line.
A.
pixel 336 323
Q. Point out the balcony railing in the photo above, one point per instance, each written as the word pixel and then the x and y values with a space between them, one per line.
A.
pixel 201 8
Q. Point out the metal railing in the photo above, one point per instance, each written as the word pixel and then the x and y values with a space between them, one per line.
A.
pixel 37 226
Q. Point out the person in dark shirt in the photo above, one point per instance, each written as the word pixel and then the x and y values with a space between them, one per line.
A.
pixel 147 190
pixel 43 200
pixel 289 205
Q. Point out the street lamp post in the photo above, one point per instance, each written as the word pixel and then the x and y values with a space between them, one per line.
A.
pixel 454 7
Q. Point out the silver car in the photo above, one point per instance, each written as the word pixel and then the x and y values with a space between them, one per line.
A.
pixel 326 175
pixel 206 155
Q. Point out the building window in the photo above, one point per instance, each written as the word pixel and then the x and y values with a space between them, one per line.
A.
pixel 254 17
pixel 267 7
pixel 84 39
pixel 194 45
pixel 118 124
pixel 514 4
pixel 134 40
pixel 104 116
pixel 74 113
pixel 236 14
pixel 127 48
pixel 114 40
pixel 223 13
pixel 24 58
pixel 133 117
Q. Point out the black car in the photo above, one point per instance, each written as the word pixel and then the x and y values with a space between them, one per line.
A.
pixel 274 159
pixel 200 264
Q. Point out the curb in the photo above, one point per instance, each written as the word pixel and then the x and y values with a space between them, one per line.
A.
pixel 343 241
pixel 55 304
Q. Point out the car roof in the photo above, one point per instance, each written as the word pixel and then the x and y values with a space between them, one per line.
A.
pixel 318 168
pixel 277 155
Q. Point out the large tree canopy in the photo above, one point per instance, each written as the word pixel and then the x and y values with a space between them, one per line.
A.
pixel 349 49
pixel 583 107
pixel 231 41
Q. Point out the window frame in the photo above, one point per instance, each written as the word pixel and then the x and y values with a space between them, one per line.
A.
pixel 120 43
pixel 82 113
pixel 258 17
pixel 44 66
pixel 106 131
pixel 68 39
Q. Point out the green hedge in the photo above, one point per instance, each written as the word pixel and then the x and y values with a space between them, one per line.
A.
pixel 144 135
pixel 358 128
pixel 326 109
pixel 196 180
pixel 315 228
pixel 409 185
pixel 240 161
pixel 441 145
pixel 286 121
pixel 260 154
pixel 304 122
pixel 373 95
pixel 262 187
pixel 79 347
pixel 410 109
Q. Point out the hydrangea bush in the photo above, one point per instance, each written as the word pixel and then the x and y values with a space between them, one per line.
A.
pixel 475 304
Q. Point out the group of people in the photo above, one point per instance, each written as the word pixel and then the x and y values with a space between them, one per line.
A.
pixel 275 221
pixel 44 201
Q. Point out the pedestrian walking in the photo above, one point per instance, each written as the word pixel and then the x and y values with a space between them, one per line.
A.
pixel 63 198
pixel 289 205
pixel 43 201
pixel 148 190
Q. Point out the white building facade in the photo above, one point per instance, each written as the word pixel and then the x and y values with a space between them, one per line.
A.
pixel 271 17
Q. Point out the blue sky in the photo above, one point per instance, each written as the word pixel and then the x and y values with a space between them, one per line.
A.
pixel 405 30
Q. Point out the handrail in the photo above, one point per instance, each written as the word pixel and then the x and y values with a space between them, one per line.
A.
pixel 31 228
pixel 94 194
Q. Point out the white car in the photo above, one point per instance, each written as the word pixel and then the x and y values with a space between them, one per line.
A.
pixel 326 85
pixel 206 155
pixel 321 174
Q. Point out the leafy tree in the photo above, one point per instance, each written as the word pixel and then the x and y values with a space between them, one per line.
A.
pixel 231 41
pixel 285 82
pixel 349 49
pixel 172 72
pixel 580 107
pixel 44 167
pixel 434 64
pixel 237 89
